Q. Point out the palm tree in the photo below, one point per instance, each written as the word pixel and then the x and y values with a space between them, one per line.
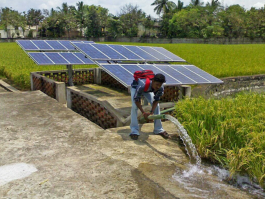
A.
pixel 179 6
pixel 196 3
pixel 80 14
pixel 163 6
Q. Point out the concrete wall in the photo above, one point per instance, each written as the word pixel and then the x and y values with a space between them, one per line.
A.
pixel 181 40
pixel 12 33
pixel 231 86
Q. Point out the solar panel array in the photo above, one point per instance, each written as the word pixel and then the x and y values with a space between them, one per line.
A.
pixel 48 45
pixel 109 52
pixel 110 57
pixel 63 58
pixel 175 74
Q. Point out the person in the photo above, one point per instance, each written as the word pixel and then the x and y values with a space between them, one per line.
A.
pixel 153 94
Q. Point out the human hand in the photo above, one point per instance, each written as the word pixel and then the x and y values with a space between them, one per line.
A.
pixel 146 115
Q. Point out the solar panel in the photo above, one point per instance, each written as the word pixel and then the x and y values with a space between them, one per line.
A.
pixel 169 54
pixel 48 45
pixel 119 73
pixel 155 53
pixel 83 58
pixel 67 44
pixel 27 45
pixel 71 58
pixel 40 59
pixel 107 50
pixel 91 51
pixel 42 45
pixel 126 53
pixel 175 74
pixel 55 58
pixel 146 56
pixel 56 45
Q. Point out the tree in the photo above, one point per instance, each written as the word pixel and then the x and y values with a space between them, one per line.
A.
pixel 114 27
pixel 13 18
pixel 233 21
pixel 80 15
pixel 92 22
pixel 131 16
pixel 196 3
pixel 163 6
pixel 179 6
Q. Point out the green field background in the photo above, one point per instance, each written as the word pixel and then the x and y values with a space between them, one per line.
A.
pixel 218 60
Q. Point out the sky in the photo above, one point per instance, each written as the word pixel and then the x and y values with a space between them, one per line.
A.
pixel 113 5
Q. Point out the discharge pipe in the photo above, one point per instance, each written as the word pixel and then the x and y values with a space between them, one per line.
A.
pixel 155 117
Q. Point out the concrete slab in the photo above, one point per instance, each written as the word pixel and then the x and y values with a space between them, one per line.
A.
pixel 71 157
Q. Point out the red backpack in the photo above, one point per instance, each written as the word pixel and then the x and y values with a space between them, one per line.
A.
pixel 144 74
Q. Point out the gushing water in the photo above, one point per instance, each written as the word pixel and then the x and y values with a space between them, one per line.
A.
pixel 189 146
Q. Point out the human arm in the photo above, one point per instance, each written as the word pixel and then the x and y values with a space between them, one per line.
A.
pixel 138 104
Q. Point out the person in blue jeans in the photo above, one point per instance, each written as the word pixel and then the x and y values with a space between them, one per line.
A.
pixel 153 94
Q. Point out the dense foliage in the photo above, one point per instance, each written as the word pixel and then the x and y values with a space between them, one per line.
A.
pixel 195 20
pixel 230 131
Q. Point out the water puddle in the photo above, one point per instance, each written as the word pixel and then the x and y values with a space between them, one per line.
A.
pixel 207 181
pixel 16 171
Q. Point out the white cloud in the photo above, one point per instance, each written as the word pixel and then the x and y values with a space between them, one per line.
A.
pixel 259 5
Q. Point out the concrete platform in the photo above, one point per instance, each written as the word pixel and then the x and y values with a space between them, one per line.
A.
pixel 49 151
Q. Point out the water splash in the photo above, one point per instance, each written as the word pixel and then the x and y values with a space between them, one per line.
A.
pixel 207 181
pixel 189 146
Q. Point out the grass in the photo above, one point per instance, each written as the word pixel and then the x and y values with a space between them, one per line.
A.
pixel 220 60
pixel 229 131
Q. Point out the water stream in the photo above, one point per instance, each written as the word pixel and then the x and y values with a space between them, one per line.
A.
pixel 189 146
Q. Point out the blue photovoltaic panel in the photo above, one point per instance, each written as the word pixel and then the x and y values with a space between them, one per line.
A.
pixel 182 78
pixel 112 54
pixel 41 59
pixel 132 67
pixel 169 54
pixel 175 74
pixel 63 58
pixel 67 44
pixel 156 70
pixel 204 74
pixel 83 58
pixel 155 53
pixel 141 53
pixel 198 79
pixel 126 53
pixel 120 73
pixel 55 45
pixel 27 45
pixel 57 58
pixel 71 58
pixel 42 45
pixel 90 51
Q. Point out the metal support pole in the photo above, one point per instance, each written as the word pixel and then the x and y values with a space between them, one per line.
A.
pixel 70 75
